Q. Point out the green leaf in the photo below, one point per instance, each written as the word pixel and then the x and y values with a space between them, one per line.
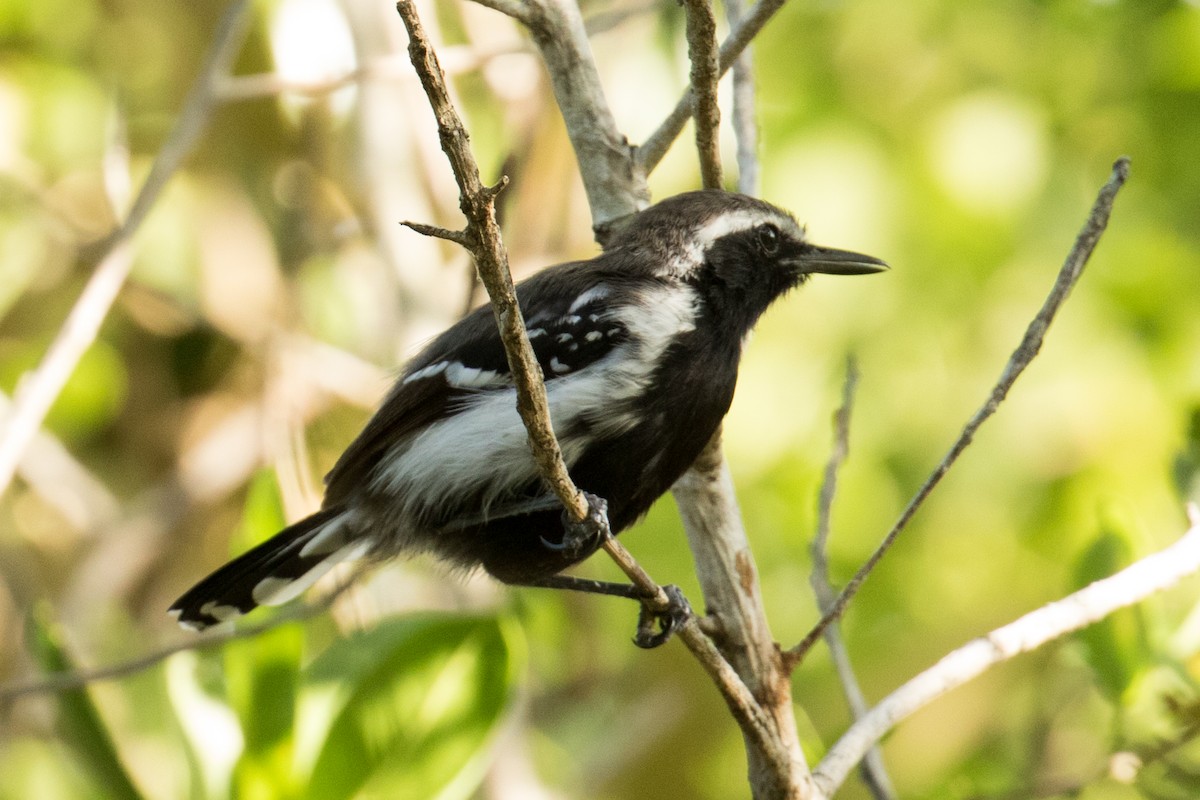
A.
pixel 1113 646
pixel 1187 462
pixel 262 516
pixel 262 680
pixel 410 707
pixel 79 722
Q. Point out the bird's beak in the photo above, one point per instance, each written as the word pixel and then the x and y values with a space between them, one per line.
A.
pixel 828 261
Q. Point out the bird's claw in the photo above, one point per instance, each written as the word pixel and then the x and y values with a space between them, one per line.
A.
pixel 585 535
pixel 667 621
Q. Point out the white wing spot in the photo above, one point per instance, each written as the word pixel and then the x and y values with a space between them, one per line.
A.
pixel 559 366
pixel 594 336
pixel 563 338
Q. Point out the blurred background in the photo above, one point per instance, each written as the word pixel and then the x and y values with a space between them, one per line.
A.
pixel 273 294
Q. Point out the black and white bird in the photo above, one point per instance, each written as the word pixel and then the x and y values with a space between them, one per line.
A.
pixel 639 347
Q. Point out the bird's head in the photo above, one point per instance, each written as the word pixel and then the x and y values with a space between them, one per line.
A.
pixel 740 253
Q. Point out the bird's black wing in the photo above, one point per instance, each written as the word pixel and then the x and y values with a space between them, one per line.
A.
pixel 565 309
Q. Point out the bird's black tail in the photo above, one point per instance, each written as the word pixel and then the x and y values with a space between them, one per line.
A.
pixel 274 572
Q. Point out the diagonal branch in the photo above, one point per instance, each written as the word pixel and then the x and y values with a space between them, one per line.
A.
pixel 483 240
pixel 39 389
pixel 1030 344
pixel 1136 582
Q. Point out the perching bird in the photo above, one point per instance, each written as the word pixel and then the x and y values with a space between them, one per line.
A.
pixel 639 347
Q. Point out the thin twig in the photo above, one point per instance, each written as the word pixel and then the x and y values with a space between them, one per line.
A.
pixel 206 641
pixel 484 242
pixel 702 53
pixel 745 126
pixel 1136 582
pixel 39 389
pixel 874 773
pixel 482 238
pixel 1030 344
pixel 656 145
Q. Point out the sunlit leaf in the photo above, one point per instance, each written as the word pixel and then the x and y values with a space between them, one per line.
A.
pixel 261 679
pixel 1113 645
pixel 413 704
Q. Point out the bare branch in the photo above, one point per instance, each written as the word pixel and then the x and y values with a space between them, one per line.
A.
pixel 63 482
pixel 729 579
pixel 702 52
pixel 873 771
pixel 39 389
pixel 1136 582
pixel 745 127
pixel 482 238
pixel 655 147
pixel 1029 346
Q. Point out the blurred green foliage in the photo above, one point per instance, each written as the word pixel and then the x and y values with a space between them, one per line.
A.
pixel 273 293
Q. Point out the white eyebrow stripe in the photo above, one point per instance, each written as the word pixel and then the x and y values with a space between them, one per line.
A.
pixel 720 226
pixel 735 222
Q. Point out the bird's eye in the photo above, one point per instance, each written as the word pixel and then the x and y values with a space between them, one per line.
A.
pixel 768 239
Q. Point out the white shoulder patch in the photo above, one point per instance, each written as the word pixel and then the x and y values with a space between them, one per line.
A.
pixel 428 372
pixel 597 292
pixel 460 376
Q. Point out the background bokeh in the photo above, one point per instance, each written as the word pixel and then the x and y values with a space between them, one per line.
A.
pixel 273 293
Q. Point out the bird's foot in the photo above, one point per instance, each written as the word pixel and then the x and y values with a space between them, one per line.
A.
pixel 581 538
pixel 667 621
